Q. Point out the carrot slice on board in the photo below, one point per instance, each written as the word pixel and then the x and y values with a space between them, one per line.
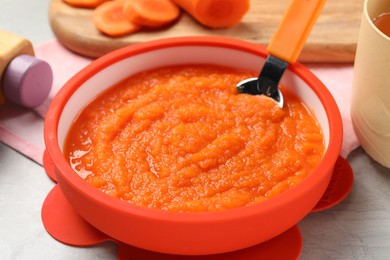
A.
pixel 151 13
pixel 109 19
pixel 215 13
pixel 85 3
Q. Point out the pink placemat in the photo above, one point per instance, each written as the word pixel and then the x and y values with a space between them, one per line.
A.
pixel 22 129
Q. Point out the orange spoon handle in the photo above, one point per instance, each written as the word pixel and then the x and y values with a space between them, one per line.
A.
pixel 294 29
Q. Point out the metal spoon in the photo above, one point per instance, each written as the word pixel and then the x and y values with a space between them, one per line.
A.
pixel 284 48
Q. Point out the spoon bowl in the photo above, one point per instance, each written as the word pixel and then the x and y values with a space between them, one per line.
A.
pixel 284 48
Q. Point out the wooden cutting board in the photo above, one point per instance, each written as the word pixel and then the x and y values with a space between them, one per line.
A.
pixel 333 38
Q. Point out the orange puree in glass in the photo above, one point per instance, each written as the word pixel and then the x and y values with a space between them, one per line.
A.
pixel 182 139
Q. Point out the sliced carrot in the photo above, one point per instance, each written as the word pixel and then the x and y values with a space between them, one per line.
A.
pixel 151 13
pixel 85 3
pixel 215 13
pixel 109 19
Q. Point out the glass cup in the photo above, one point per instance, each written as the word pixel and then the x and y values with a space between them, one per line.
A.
pixel 370 108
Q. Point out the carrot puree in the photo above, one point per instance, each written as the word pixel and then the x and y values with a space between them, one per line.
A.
pixel 182 139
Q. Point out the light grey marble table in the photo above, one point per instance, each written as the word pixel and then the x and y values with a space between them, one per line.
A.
pixel 358 228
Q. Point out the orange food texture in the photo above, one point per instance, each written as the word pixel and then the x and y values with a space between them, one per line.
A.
pixel 183 139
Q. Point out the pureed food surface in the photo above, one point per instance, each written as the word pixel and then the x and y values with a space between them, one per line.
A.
pixel 183 139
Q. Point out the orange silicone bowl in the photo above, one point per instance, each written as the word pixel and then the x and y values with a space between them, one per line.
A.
pixel 188 233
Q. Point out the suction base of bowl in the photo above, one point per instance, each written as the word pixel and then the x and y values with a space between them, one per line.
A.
pixel 66 226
